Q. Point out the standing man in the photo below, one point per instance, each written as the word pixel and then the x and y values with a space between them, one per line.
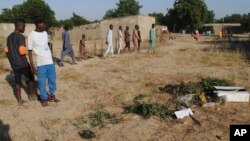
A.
pixel 38 42
pixel 120 37
pixel 16 53
pixel 135 38
pixel 67 47
pixel 152 37
pixel 139 40
pixel 127 38
pixel 109 42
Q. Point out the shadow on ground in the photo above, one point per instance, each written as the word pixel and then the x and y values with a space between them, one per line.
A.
pixel 4 132
pixel 10 78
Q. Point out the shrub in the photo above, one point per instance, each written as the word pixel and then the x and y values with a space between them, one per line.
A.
pixel 209 83
pixel 145 109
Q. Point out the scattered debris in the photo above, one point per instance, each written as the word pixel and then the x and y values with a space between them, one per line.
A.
pixel 202 98
pixel 188 100
pixel 210 104
pixel 195 120
pixel 232 94
pixel 183 113
pixel 87 134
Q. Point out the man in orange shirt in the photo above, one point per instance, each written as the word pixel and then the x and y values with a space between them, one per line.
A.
pixel 16 53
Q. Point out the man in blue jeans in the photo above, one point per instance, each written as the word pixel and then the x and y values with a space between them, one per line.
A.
pixel 38 42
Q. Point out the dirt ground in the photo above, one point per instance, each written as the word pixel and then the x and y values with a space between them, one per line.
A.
pixel 110 84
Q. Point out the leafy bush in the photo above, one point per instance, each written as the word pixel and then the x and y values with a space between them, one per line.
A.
pixel 206 85
pixel 209 83
pixel 148 110
pixel 144 108
pixel 183 88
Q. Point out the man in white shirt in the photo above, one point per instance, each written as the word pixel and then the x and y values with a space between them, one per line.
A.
pixel 109 42
pixel 38 42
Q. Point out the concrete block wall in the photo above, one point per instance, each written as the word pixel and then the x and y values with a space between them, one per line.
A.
pixel 98 31
pixel 7 28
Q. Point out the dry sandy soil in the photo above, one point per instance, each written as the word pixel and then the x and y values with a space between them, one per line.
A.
pixel 107 85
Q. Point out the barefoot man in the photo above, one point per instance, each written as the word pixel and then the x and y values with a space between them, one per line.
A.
pixel 16 53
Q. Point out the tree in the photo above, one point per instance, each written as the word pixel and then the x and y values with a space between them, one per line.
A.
pixel 234 18
pixel 188 14
pixel 210 17
pixel 78 20
pixel 159 17
pixel 29 10
pixel 124 8
pixel 246 22
pixel 75 20
pixel 6 15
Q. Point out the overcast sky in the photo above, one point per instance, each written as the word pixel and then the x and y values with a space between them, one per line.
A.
pixel 95 9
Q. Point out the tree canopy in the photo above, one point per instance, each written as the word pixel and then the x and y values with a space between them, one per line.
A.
pixel 188 14
pixel 29 10
pixel 159 17
pixel 124 8
pixel 75 20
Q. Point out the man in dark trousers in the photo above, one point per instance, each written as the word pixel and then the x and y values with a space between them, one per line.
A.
pixel 67 47
pixel 127 38
pixel 16 53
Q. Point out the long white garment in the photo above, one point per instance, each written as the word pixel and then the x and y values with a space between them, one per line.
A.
pixel 110 43
pixel 120 39
pixel 110 37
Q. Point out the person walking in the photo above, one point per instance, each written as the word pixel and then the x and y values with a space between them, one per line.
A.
pixel 67 47
pixel 109 42
pixel 127 38
pixel 120 39
pixel 152 37
pixel 139 40
pixel 38 42
pixel 135 38
pixel 82 49
pixel 16 53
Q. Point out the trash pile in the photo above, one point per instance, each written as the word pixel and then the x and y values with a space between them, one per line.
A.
pixel 209 92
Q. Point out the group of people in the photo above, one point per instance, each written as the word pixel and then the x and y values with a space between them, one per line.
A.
pixel 45 68
pixel 136 38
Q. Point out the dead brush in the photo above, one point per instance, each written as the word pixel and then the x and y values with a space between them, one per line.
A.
pixel 97 119
pixel 146 109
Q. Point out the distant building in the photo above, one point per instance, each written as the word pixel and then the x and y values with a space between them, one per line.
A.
pixel 216 28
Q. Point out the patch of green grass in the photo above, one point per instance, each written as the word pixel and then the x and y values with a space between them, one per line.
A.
pixel 100 119
pixel 146 109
